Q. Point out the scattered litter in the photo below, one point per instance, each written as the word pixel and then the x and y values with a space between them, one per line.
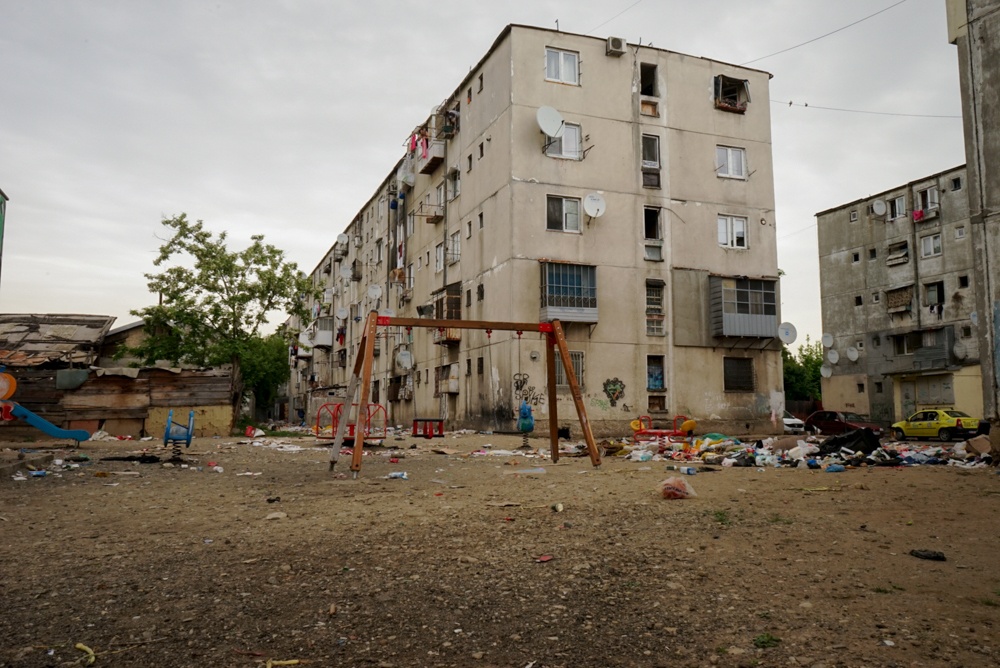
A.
pixel 534 471
pixel 544 558
pixel 218 469
pixel 276 516
pixel 676 488
pixel 931 555
pixel 557 507
pixel 126 473
pixel 503 504
pixel 249 473
pixel 90 657
pixel 398 475
pixel 835 468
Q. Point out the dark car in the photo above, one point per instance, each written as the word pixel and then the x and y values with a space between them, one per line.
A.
pixel 834 422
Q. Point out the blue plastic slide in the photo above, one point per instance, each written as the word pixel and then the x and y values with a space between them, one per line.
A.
pixel 44 425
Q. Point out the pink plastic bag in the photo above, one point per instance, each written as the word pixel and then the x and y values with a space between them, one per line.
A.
pixel 676 488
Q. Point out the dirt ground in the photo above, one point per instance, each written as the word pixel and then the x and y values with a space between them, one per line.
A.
pixel 471 562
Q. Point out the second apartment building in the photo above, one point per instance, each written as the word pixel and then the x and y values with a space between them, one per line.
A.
pixel 640 214
pixel 898 297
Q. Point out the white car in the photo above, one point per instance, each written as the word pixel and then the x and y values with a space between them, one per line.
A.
pixel 793 425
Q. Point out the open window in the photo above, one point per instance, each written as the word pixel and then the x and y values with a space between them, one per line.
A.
pixel 650 161
pixel 732 94
pixel 647 79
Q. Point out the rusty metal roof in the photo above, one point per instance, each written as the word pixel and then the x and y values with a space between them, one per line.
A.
pixel 28 339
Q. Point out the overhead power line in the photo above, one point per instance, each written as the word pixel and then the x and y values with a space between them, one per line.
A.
pixel 832 32
pixel 613 17
pixel 861 111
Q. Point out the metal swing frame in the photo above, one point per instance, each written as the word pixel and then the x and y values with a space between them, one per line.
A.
pixel 555 343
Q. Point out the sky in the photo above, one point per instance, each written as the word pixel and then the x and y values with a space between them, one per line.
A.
pixel 281 118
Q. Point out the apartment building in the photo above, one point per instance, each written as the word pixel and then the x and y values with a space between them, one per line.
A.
pixel 637 207
pixel 898 298
pixel 974 28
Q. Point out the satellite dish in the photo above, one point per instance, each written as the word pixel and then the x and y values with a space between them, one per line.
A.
pixel 959 350
pixel 374 291
pixel 594 205
pixel 787 332
pixel 852 354
pixel 341 313
pixel 404 359
pixel 878 207
pixel 826 371
pixel 346 273
pixel 343 239
pixel 551 122
pixel 827 340
pixel 833 356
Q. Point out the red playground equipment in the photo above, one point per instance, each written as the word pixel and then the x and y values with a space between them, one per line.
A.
pixel 374 423
pixel 643 432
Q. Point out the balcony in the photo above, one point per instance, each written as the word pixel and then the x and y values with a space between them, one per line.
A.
pixel 428 161
pixel 448 336
pixel 431 213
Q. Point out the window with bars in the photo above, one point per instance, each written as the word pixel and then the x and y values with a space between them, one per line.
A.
pixel 738 374
pixel 655 373
pixel 576 357
pixel 569 285
pixel 654 310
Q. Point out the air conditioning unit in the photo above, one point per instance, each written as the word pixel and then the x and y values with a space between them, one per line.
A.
pixel 358 241
pixel 616 46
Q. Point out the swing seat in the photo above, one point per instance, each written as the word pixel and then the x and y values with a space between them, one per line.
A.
pixel 428 427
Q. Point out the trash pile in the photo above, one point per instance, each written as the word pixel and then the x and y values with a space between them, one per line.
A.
pixel 854 449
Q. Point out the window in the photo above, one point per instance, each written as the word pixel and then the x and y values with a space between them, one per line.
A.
pixel 562 214
pixel 878 387
pixel 897 207
pixel 480 292
pixel 732 232
pixel 440 193
pixel 652 234
pixel 479 366
pixel 906 344
pixel 562 66
pixel 468 362
pixel 454 184
pixel 654 309
pixel 657 403
pixel 956 183
pixel 876 298
pixel 731 94
pixel 569 285
pixel 650 161
pixel 730 162
pixel 927 198
pixel 654 373
pixel 854 216
pixel 856 257
pixel 420 262
pixel 378 251
pixel 468 96
pixel 748 297
pixel 482 150
pixel 438 258
pixel 468 297
pixel 576 358
pixel 966 332
pixel 898 253
pixel 455 247
pixel 468 229
pixel 960 232
pixel 480 220
pixel 861 388
pixel 935 293
pixel 568 145
pixel 930 245
pixel 738 374
pixel 468 163
pixel 409 274
pixel 963 281
pixel 860 345
pixel 480 84
pixel 872 253
pixel 858 300
pixel 647 79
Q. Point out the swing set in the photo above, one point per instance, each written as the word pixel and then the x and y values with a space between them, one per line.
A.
pixel 555 343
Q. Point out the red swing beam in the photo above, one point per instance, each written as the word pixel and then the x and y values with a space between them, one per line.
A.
pixel 555 340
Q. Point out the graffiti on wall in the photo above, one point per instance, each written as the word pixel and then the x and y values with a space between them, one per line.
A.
pixel 614 389
pixel 525 392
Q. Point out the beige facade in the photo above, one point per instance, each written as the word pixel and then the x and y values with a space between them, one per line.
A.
pixel 669 299
pixel 898 298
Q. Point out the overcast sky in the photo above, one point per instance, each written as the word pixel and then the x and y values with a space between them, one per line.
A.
pixel 281 118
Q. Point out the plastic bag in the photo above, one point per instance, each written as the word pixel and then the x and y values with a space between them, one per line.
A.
pixel 676 488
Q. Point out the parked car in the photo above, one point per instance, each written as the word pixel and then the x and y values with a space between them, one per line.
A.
pixel 793 425
pixel 834 422
pixel 942 424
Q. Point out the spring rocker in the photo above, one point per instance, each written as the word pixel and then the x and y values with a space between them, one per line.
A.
pixel 555 343
pixel 178 434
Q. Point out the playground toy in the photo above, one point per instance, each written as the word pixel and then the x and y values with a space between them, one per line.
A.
pixel 11 410
pixel 361 376
pixel 428 427
pixel 643 432
pixel 369 432
pixel 178 433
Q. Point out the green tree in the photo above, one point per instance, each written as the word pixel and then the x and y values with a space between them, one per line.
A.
pixel 265 368
pixel 214 302
pixel 802 371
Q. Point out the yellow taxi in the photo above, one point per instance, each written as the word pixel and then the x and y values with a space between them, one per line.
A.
pixel 942 424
